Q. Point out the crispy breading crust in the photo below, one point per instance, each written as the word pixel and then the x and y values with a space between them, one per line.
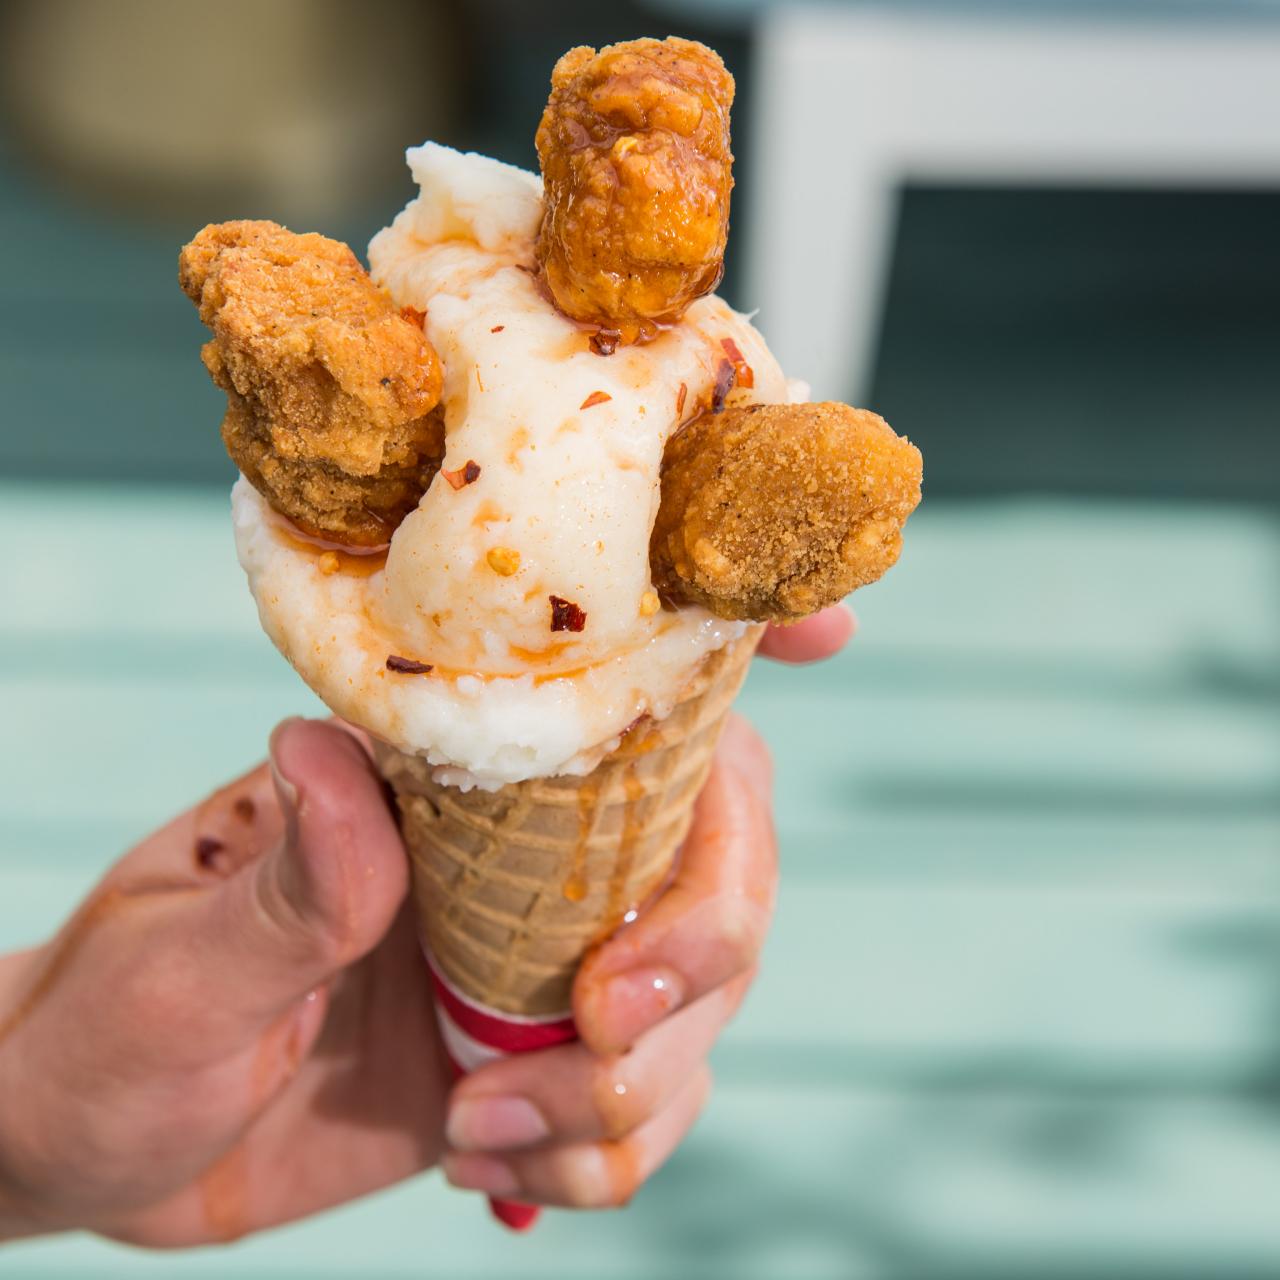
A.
pixel 634 149
pixel 330 392
pixel 772 512
pixel 767 513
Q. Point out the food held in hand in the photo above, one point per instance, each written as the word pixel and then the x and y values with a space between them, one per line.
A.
pixel 585 483
pixel 537 499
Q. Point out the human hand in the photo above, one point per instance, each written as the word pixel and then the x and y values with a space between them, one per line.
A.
pixel 231 1031
pixel 235 1030
pixel 821 636
pixel 584 1124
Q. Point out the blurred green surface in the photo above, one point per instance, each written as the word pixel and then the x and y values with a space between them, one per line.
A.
pixel 1067 340
pixel 1021 1011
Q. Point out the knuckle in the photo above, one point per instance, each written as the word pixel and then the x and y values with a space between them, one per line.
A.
pixel 740 927
pixel 624 1098
pixel 735 991
pixel 326 949
pixel 306 940
pixel 584 1180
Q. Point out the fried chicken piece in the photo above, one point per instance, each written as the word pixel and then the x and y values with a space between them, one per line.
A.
pixel 330 391
pixel 634 149
pixel 772 512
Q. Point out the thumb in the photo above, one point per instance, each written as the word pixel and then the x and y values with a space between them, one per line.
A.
pixel 326 895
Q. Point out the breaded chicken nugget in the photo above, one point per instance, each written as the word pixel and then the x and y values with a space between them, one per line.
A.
pixel 772 512
pixel 634 149
pixel 330 391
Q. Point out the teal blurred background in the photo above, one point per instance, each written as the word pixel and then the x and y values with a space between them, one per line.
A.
pixel 1021 1011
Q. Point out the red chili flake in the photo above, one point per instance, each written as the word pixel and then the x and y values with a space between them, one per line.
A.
pixel 726 375
pixel 497 328
pixel 243 808
pixel 413 316
pixel 604 342
pixel 680 395
pixel 596 397
pixel 467 474
pixel 407 666
pixel 207 850
pixel 566 616
pixel 745 375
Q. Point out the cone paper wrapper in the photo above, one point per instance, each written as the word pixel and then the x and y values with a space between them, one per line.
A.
pixel 474 1035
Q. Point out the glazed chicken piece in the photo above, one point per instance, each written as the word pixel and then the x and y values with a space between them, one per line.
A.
pixel 331 392
pixel 634 149
pixel 772 512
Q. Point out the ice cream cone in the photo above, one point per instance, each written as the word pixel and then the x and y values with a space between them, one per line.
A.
pixel 513 886
pixel 551 473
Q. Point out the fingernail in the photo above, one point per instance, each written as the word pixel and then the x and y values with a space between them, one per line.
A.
pixel 286 792
pixel 480 1173
pixel 634 1001
pixel 494 1124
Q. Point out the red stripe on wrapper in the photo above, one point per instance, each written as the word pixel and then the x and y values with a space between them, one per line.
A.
pixel 513 1214
pixel 504 1032
pixel 487 1034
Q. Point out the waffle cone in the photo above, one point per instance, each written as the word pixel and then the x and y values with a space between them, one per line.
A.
pixel 513 886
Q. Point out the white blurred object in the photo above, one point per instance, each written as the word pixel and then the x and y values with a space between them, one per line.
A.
pixel 851 105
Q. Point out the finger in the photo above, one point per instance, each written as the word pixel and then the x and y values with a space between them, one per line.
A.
pixel 821 636
pixel 356 732
pixel 325 894
pixel 707 927
pixel 585 1175
pixel 742 747
pixel 569 1094
pixel 235 825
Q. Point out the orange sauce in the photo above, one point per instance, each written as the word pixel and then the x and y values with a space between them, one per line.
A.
pixel 224 1193
pixel 647 741
pixel 350 564
pixel 575 886
pixel 487 513
pixel 632 830
pixel 519 438
pixel 622 1160
pixel 360 564
pixel 570 673
pixel 539 656
pixel 575 342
